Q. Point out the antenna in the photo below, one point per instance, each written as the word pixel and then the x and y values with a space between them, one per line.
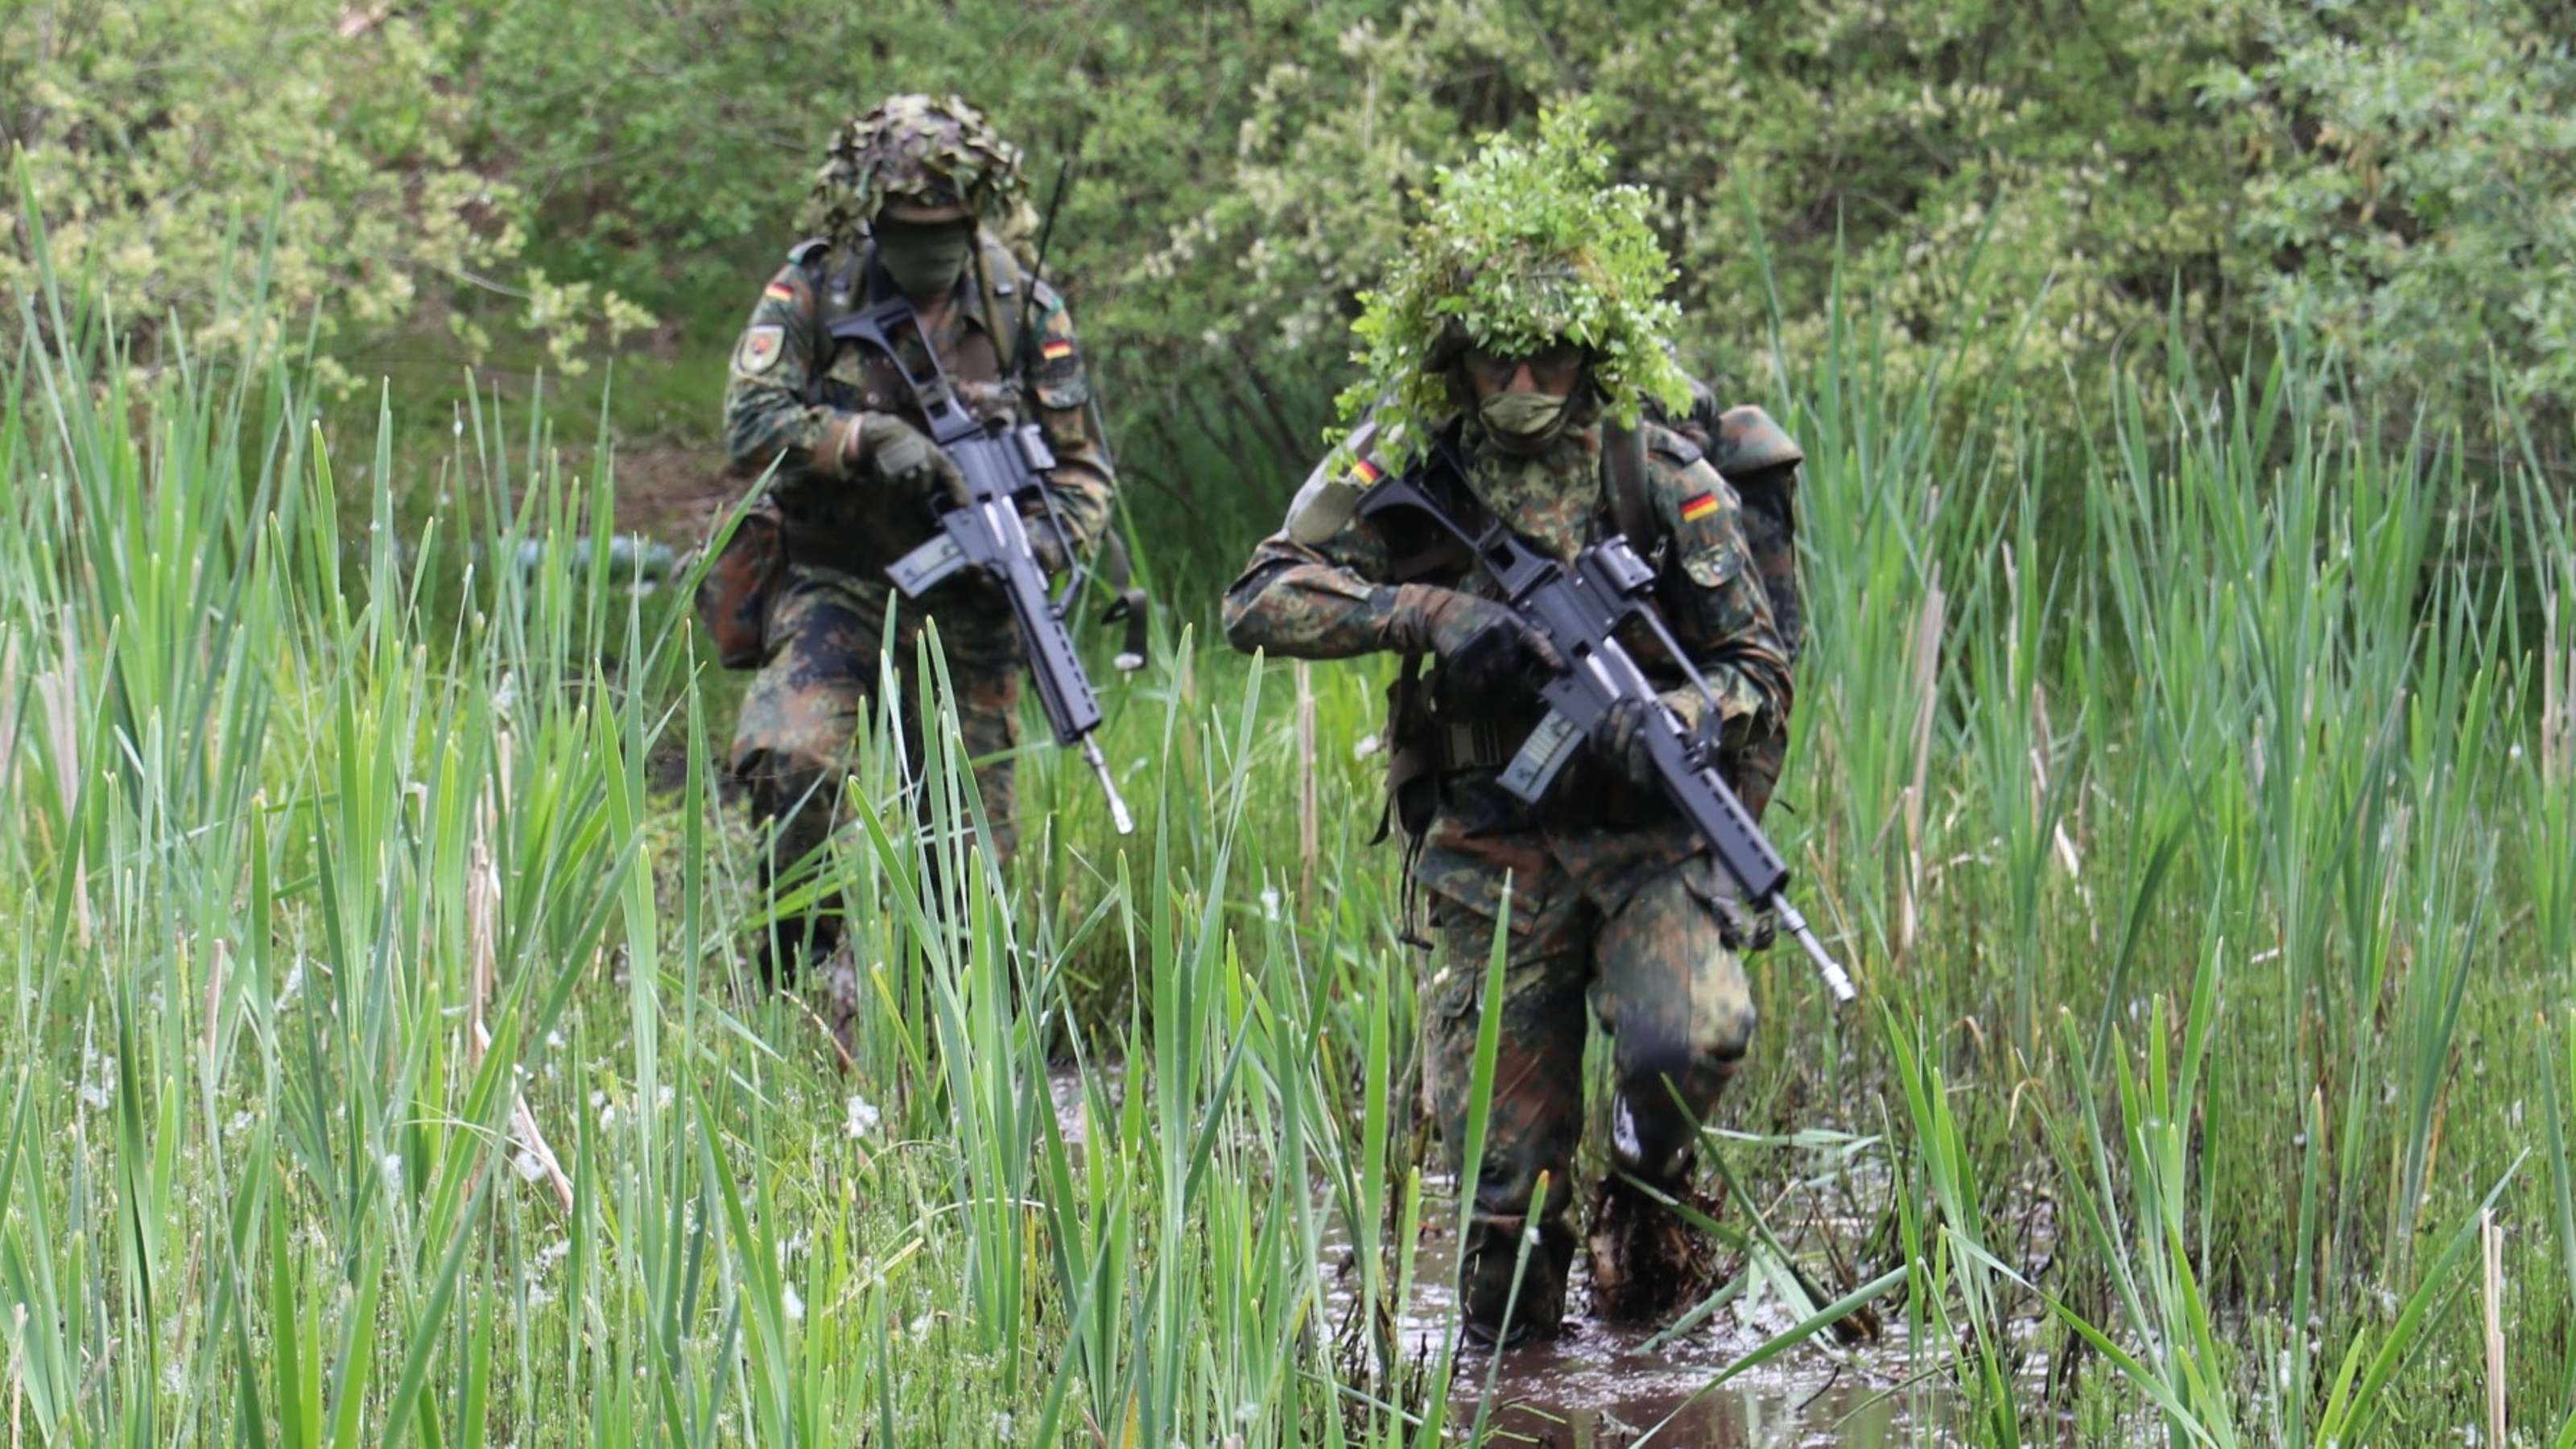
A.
pixel 1046 236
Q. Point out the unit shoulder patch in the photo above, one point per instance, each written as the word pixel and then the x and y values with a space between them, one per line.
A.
pixel 760 348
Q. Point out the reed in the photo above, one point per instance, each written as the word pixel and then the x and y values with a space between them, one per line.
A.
pixel 383 1063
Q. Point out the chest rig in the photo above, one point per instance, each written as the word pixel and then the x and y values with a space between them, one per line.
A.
pixel 857 377
pixel 1424 746
pixel 850 278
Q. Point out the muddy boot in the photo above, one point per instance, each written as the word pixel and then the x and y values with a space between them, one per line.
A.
pixel 840 998
pixel 1648 1262
pixel 1485 1283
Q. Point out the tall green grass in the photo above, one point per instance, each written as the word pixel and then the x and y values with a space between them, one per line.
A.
pixel 383 1062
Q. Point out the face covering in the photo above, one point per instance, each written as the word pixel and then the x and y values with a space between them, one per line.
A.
pixel 925 261
pixel 1521 417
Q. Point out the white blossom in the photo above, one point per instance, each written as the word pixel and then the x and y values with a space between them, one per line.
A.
pixel 863 1117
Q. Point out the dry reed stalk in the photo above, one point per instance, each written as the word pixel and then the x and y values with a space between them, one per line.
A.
pixel 17 1377
pixel 58 694
pixel 1927 672
pixel 1309 811
pixel 482 909
pixel 2042 736
pixel 8 705
pixel 2492 1240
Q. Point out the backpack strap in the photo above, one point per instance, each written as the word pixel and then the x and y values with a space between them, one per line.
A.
pixel 1623 467
pixel 999 279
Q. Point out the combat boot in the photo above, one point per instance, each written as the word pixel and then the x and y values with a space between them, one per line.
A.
pixel 1485 1283
pixel 842 999
pixel 1648 1262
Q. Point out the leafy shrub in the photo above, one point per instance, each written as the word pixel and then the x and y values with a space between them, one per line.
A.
pixel 2412 194
pixel 167 144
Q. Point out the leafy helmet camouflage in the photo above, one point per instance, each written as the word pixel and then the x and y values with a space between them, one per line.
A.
pixel 916 158
pixel 1524 246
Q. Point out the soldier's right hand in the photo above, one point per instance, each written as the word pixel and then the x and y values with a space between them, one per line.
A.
pixel 1483 646
pixel 898 455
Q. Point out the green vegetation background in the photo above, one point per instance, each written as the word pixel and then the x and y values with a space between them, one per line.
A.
pixel 2186 752
pixel 2029 191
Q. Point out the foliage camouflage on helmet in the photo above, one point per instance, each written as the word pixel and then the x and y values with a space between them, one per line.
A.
pixel 917 147
pixel 1523 245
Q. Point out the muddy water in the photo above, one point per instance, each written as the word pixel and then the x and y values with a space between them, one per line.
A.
pixel 1598 1385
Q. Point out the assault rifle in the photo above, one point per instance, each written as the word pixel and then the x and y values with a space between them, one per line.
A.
pixel 1580 608
pixel 1000 463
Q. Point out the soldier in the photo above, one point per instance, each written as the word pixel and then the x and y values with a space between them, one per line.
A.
pixel 907 204
pixel 1518 329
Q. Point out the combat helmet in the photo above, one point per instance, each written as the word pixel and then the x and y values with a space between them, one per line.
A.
pixel 1525 245
pixel 914 158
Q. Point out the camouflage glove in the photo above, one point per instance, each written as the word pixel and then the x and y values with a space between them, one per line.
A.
pixel 1747 928
pixel 1483 647
pixel 1620 741
pixel 1620 737
pixel 898 454
pixel 1047 541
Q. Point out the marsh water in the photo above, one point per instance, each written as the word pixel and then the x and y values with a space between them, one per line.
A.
pixel 1604 1385
pixel 1600 1386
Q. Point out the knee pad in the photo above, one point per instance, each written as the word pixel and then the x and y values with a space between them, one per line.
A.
pixel 1650 1135
pixel 1731 1036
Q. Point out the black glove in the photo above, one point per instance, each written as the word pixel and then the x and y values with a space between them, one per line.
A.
pixel 1483 646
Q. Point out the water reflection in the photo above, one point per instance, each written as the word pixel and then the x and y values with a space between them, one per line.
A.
pixel 1600 1385
pixel 1604 1385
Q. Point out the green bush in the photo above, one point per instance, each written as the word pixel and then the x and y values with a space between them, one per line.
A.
pixel 2411 193
pixel 2026 194
pixel 168 144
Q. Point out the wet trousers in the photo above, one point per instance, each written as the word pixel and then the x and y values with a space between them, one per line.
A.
pixel 1655 971
pixel 818 684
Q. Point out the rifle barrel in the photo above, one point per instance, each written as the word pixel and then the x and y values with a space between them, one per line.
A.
pixel 1837 980
pixel 1118 815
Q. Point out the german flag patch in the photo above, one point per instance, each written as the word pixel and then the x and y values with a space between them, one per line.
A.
pixel 1366 470
pixel 1696 508
pixel 779 292
pixel 1055 349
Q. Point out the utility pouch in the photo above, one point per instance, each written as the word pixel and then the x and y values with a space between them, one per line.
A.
pixel 733 598
pixel 1412 756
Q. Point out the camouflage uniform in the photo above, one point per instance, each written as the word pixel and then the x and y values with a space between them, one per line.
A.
pixel 1615 903
pixel 792 395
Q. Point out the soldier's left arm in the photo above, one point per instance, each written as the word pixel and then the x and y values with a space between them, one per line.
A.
pixel 1714 600
pixel 1060 395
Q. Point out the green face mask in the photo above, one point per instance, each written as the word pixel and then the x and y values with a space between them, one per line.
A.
pixel 925 261
pixel 1521 417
